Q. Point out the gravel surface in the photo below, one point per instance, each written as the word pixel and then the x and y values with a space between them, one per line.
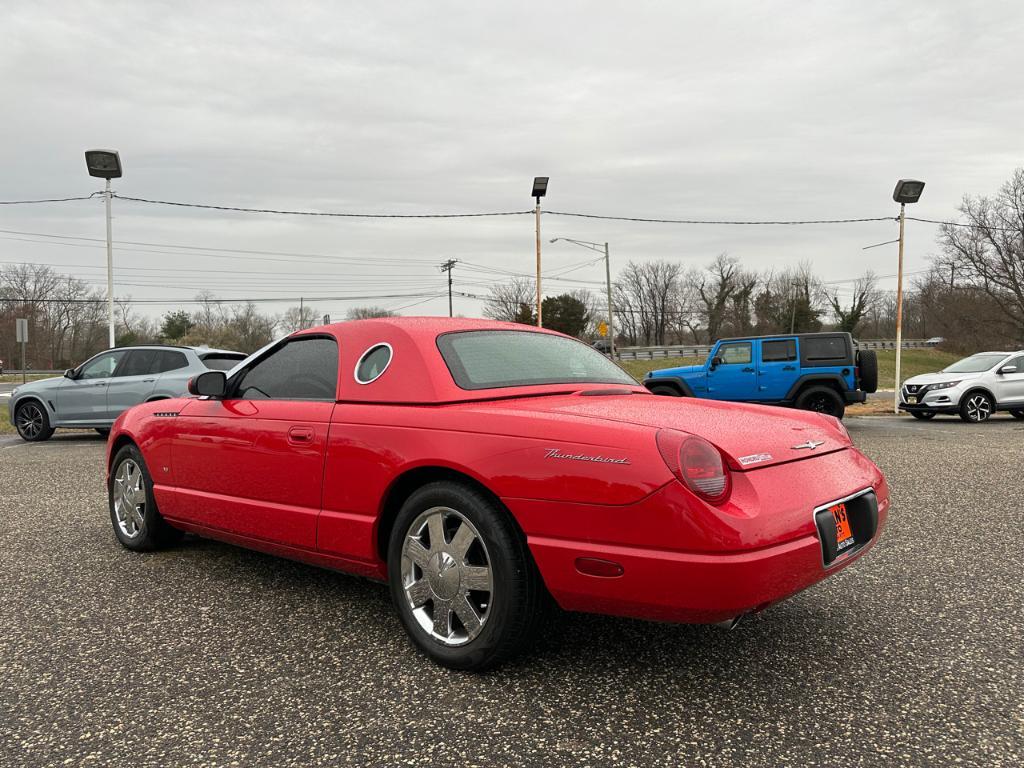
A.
pixel 213 655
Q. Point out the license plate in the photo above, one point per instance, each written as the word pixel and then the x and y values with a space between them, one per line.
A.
pixel 844 536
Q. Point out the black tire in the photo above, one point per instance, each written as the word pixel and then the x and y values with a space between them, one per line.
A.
pixel 867 366
pixel 821 399
pixel 514 604
pixel 103 431
pixel 32 422
pixel 923 415
pixel 1017 414
pixel 153 532
pixel 665 389
pixel 976 407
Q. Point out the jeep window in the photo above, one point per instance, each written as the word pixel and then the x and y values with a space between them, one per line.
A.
pixel 305 368
pixel 975 363
pixel 779 351
pixel 493 359
pixel 817 348
pixel 735 354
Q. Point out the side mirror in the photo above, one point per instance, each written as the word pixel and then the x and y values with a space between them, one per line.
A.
pixel 715 362
pixel 69 373
pixel 1008 369
pixel 209 384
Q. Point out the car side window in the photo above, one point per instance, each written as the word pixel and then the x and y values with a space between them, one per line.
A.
pixel 101 367
pixel 137 362
pixel 735 354
pixel 1017 361
pixel 169 360
pixel 778 351
pixel 302 369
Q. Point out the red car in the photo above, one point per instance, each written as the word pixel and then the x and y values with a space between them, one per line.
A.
pixel 483 468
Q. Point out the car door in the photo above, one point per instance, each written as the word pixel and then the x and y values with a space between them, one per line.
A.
pixel 132 381
pixel 252 463
pixel 735 378
pixel 84 397
pixel 1009 387
pixel 776 368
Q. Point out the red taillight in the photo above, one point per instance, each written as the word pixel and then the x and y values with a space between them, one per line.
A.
pixel 697 463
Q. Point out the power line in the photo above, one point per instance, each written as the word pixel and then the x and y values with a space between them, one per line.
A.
pixel 717 221
pixel 48 200
pixel 331 214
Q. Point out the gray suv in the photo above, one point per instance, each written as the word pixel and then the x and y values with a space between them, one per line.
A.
pixel 95 393
pixel 974 388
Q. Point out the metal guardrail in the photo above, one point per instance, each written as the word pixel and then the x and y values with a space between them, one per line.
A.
pixel 31 372
pixel 655 353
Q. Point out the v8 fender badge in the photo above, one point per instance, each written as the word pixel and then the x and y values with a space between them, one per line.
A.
pixel 754 458
pixel 555 453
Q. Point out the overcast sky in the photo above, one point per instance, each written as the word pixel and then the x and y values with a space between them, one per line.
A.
pixel 677 110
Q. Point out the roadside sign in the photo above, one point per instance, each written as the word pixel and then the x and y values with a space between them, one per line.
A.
pixel 603 328
pixel 21 330
pixel 327 319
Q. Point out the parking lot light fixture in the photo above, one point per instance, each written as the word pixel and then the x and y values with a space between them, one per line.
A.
pixel 540 189
pixel 608 283
pixel 907 191
pixel 106 164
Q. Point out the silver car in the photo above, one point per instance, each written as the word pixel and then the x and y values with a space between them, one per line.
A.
pixel 95 393
pixel 975 388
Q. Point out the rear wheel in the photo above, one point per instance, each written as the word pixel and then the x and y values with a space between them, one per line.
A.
pixel 923 415
pixel 1017 414
pixel 32 422
pixel 665 389
pixel 137 522
pixel 462 579
pixel 976 407
pixel 822 400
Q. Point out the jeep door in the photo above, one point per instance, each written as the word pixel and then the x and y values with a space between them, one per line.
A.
pixel 736 377
pixel 777 368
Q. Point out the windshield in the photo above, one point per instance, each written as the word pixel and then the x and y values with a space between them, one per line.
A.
pixel 491 359
pixel 975 363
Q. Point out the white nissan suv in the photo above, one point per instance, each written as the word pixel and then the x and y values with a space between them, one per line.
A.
pixel 975 388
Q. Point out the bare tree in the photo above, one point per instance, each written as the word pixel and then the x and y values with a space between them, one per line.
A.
pixel 645 298
pixel 366 313
pixel 512 301
pixel 988 251
pixel 715 290
pixel 865 296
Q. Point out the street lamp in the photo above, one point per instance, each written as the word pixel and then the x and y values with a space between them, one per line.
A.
pixel 608 282
pixel 106 164
pixel 540 189
pixel 907 191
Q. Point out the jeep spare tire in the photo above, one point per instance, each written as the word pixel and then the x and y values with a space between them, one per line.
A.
pixel 867 366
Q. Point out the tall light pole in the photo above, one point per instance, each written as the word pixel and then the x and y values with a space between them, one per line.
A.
pixel 608 283
pixel 907 191
pixel 106 164
pixel 540 188
pixel 447 267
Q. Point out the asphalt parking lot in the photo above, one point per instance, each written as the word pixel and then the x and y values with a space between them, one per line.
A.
pixel 213 655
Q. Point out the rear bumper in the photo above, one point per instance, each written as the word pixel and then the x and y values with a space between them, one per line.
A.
pixel 687 587
pixel 855 396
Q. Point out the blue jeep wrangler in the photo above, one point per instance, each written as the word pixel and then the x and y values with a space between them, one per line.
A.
pixel 813 371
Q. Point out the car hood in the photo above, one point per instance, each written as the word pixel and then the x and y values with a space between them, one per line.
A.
pixel 682 370
pixel 752 436
pixel 940 378
pixel 41 385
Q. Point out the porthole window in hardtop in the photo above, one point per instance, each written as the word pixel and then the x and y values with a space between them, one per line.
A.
pixel 373 363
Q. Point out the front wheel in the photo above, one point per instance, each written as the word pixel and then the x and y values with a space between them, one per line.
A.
pixel 32 422
pixel 923 415
pixel 137 522
pixel 462 579
pixel 822 400
pixel 976 407
pixel 665 389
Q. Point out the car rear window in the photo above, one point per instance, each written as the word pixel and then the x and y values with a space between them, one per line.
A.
pixel 222 361
pixel 819 349
pixel 495 359
pixel 168 360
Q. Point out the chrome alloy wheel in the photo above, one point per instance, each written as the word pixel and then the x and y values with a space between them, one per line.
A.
pixel 30 420
pixel 129 498
pixel 978 408
pixel 446 576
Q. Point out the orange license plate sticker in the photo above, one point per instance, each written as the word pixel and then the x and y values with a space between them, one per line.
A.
pixel 844 536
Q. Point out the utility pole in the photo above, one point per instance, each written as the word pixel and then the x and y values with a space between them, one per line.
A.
pixel 899 314
pixel 110 271
pixel 447 267
pixel 106 164
pixel 302 315
pixel 608 284
pixel 540 189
